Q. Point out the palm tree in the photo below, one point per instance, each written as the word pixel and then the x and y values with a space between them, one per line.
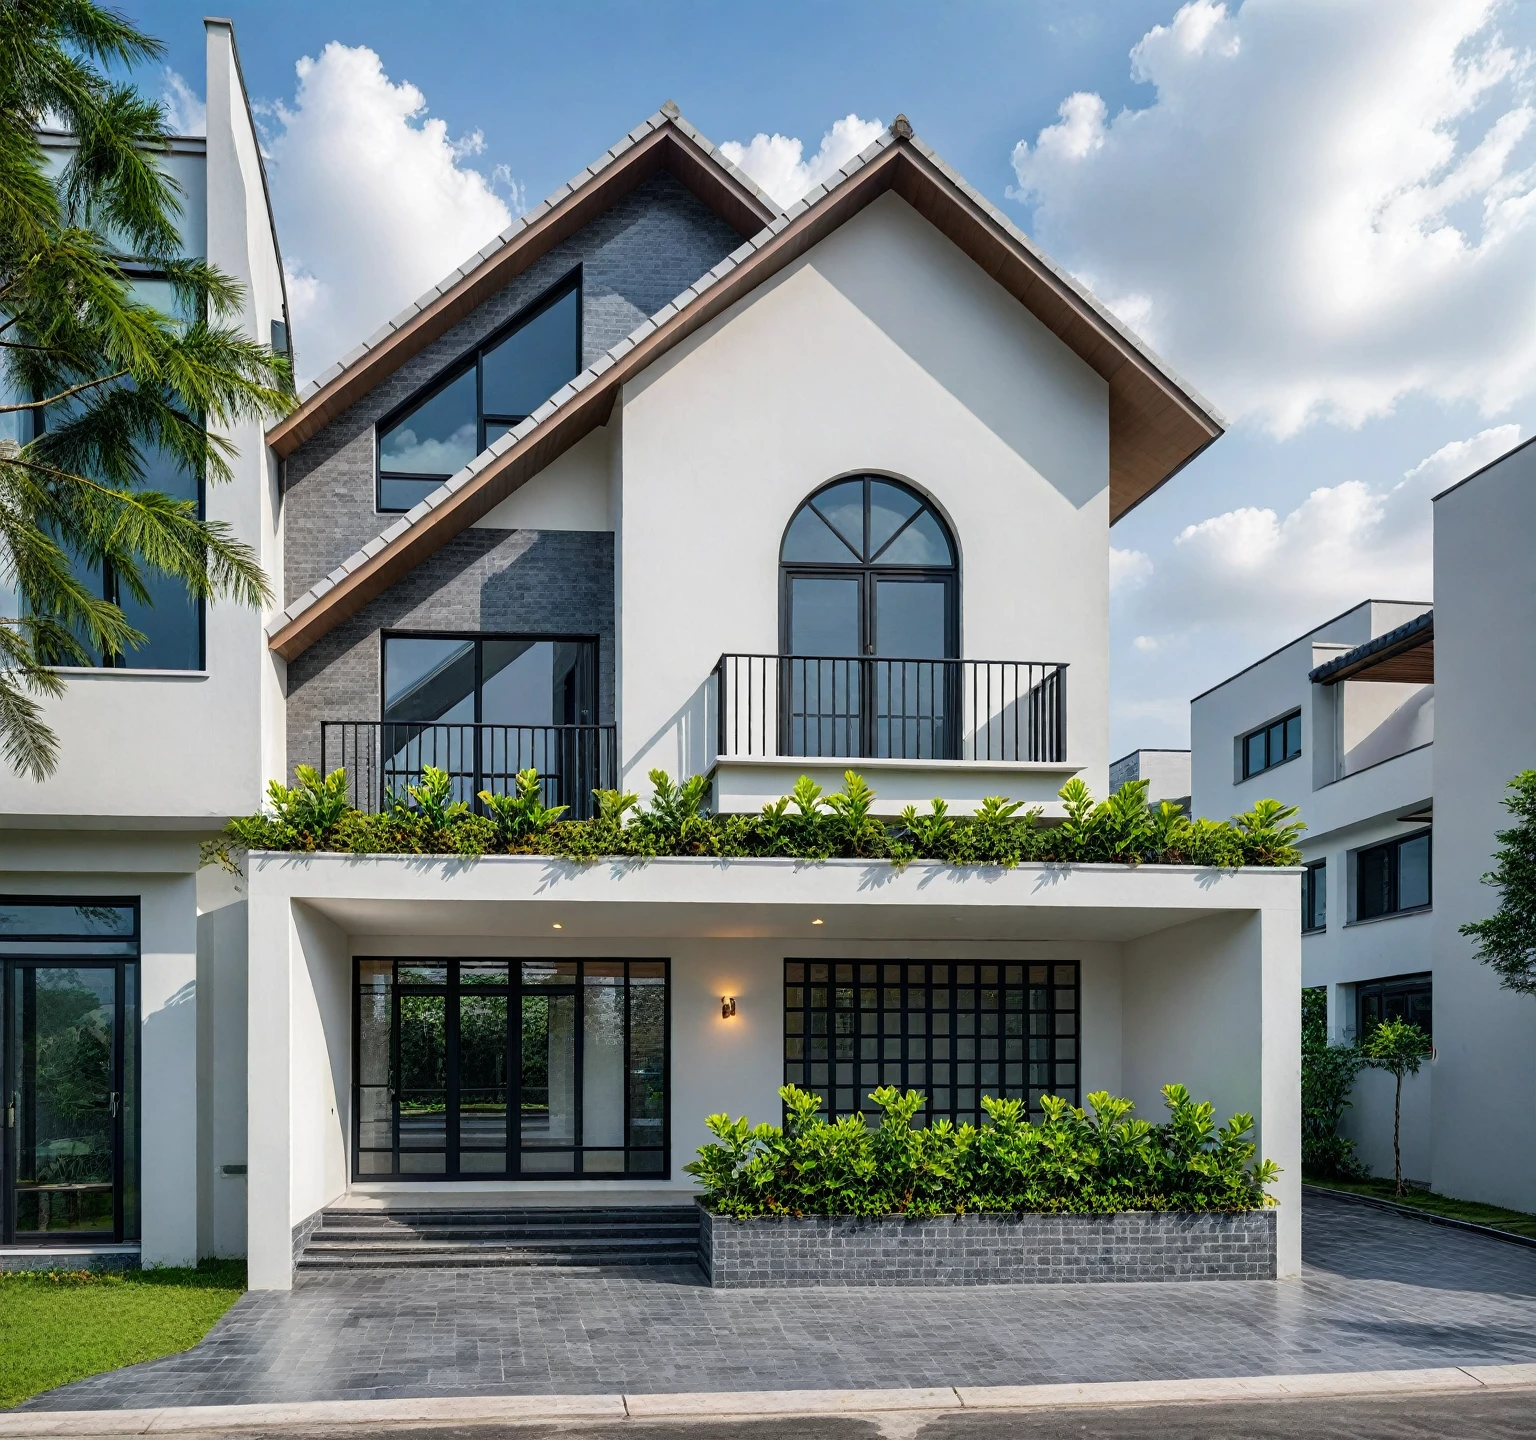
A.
pixel 97 387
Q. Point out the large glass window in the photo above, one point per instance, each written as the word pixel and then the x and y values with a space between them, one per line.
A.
pixel 68 1071
pixel 955 1032
pixel 1271 745
pixel 484 707
pixel 1400 997
pixel 168 616
pixel 437 434
pixel 495 1068
pixel 869 614
pixel 1393 877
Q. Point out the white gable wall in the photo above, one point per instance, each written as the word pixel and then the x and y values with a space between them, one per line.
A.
pixel 884 350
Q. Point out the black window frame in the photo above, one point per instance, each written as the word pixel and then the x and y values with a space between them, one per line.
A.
pixel 111 590
pixel 807 976
pixel 1314 897
pixel 1399 991
pixel 1267 730
pixel 1394 848
pixel 474 360
pixel 516 988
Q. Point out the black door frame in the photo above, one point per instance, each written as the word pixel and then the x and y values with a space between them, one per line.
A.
pixel 10 1063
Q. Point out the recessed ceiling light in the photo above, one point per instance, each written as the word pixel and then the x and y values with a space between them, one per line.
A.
pixel 818 922
pixel 557 926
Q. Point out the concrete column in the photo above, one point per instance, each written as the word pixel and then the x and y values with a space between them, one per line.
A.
pixel 269 1235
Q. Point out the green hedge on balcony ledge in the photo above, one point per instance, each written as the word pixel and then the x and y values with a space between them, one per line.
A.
pixel 315 815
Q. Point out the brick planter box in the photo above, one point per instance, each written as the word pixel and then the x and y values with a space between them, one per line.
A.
pixel 987 1249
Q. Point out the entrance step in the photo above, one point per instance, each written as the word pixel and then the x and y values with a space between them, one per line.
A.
pixel 415 1238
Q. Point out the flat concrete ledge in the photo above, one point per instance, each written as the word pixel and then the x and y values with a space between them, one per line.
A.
pixel 16 1258
pixel 706 1405
pixel 987 1249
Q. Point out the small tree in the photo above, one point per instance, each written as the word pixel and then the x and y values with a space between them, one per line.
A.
pixel 1506 940
pixel 1399 1048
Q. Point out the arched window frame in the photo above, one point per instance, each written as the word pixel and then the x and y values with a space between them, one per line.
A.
pixel 869 570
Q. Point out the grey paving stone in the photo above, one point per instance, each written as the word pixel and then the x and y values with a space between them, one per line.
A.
pixel 1380 1291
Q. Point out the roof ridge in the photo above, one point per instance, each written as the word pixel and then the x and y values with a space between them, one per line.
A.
pixel 668 114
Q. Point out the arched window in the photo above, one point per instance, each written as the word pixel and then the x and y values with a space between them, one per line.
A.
pixel 869 614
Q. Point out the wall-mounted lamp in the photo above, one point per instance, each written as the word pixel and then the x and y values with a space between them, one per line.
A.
pixel 818 922
pixel 557 926
pixel 727 1007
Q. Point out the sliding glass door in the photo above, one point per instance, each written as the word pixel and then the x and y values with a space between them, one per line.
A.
pixel 474 1069
pixel 68 1068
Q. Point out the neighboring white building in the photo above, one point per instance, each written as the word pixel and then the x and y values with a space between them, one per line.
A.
pixel 667 477
pixel 1165 771
pixel 155 754
pixel 1399 780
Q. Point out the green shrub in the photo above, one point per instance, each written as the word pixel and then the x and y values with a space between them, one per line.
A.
pixel 1068 1161
pixel 314 815
pixel 1327 1076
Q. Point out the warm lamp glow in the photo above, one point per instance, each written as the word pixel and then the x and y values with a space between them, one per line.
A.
pixel 557 926
pixel 818 922
pixel 727 1007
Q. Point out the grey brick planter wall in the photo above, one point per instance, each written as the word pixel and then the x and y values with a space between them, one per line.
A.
pixel 987 1249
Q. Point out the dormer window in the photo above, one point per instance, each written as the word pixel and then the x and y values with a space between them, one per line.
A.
pixel 437 433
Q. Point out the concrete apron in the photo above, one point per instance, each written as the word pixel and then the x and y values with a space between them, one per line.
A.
pixel 760 1404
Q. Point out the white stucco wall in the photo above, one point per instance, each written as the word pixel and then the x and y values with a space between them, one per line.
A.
pixel 1485 682
pixel 573 492
pixel 884 350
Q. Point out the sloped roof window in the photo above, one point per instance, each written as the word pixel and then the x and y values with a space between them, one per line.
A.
pixel 436 434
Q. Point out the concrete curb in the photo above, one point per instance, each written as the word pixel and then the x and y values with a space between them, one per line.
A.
pixel 1415 1213
pixel 741 1404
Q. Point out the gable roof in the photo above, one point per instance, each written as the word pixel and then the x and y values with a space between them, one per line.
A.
pixel 1157 422
pixel 664 142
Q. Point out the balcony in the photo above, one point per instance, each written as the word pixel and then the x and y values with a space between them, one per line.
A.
pixel 918 727
pixel 383 757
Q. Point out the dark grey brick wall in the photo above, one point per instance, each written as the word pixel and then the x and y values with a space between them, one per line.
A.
pixel 520 581
pixel 987 1249
pixel 635 257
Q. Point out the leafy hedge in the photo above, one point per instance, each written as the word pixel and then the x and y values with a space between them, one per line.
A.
pixel 1069 1161
pixel 315 815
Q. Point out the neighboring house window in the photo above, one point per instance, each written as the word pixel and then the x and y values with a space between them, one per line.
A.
pixel 955 1032
pixel 1271 745
pixel 483 707
pixel 170 618
pixel 436 434
pixel 869 597
pixel 1314 897
pixel 1401 997
pixel 1393 877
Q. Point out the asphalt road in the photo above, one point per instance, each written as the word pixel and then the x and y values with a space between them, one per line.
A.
pixel 1492 1415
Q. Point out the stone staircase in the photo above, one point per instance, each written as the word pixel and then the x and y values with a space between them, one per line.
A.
pixel 405 1239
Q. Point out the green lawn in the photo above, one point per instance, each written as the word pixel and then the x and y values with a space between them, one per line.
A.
pixel 1515 1221
pixel 57 1327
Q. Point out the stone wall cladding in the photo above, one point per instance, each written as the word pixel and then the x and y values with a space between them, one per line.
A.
pixel 987 1249
pixel 635 257
pixel 539 582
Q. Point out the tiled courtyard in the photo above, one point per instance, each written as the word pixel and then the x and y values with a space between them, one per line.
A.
pixel 1380 1291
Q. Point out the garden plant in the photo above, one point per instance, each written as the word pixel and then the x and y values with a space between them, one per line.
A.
pixel 1328 1074
pixel 1069 1161
pixel 1506 940
pixel 1399 1048
pixel 315 815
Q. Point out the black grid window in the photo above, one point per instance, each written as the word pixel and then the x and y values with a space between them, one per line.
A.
pixel 1314 897
pixel 1271 745
pixel 1394 877
pixel 1400 997
pixel 955 1032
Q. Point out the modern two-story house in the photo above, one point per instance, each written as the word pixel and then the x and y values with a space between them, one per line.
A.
pixel 668 477
pixel 1395 728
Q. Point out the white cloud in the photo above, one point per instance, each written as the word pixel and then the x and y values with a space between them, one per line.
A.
pixel 1128 568
pixel 375 200
pixel 775 163
pixel 1254 571
pixel 185 113
pixel 1326 208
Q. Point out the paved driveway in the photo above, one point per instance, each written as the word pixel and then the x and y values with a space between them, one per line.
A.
pixel 1380 1292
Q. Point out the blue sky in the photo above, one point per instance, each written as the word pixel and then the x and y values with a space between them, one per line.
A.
pixel 1323 214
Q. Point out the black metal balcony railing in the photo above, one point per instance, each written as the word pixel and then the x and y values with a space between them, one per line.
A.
pixel 863 707
pixel 383 757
